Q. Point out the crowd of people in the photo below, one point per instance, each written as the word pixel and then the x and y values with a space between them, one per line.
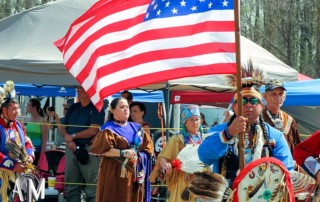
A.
pixel 111 160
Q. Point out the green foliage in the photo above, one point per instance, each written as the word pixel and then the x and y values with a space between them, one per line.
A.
pixel 11 7
pixel 288 29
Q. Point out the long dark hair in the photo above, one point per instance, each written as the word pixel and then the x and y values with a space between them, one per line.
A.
pixel 113 105
pixel 36 103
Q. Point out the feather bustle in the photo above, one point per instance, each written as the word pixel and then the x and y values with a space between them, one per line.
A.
pixel 301 182
pixel 208 184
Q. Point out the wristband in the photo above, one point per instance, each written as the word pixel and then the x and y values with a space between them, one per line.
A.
pixel 121 153
pixel 73 135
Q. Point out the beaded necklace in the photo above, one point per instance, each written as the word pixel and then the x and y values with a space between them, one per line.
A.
pixel 277 122
pixel 257 142
pixel 195 139
pixel 118 121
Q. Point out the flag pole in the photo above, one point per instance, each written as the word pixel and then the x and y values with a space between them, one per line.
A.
pixel 238 78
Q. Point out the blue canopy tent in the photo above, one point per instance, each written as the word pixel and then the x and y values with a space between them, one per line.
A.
pixel 151 100
pixel 303 103
pixel 144 96
pixel 303 93
pixel 43 90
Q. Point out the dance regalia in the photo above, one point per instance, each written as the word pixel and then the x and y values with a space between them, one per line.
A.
pixel 175 181
pixel 286 124
pixel 13 131
pixel 262 179
pixel 307 154
pixel 224 146
pixel 111 186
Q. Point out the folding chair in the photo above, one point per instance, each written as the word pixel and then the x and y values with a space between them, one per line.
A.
pixel 53 162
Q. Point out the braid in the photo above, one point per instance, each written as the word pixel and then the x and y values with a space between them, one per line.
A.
pixel 265 134
pixel 231 119
pixel 184 133
pixel 201 129
pixel 264 128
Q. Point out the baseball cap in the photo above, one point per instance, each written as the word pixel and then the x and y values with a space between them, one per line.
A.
pixel 273 84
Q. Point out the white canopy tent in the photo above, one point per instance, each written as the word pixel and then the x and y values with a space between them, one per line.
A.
pixel 27 53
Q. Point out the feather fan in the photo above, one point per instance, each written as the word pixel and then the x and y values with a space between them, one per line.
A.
pixel 208 185
pixel 188 159
pixel 301 182
pixel 279 190
pixel 18 153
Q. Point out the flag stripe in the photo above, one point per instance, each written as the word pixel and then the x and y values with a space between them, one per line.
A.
pixel 113 47
pixel 128 31
pixel 110 53
pixel 187 46
pixel 99 38
pixel 98 7
pixel 133 82
pixel 101 20
pixel 97 23
pixel 171 64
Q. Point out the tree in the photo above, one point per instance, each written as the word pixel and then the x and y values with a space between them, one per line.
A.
pixel 288 29
pixel 11 7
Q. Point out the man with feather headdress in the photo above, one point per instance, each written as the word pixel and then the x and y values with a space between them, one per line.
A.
pixel 261 140
pixel 259 168
pixel 12 131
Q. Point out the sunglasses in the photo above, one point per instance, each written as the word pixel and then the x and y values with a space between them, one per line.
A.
pixel 253 101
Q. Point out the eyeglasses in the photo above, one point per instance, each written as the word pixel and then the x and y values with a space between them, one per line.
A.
pixel 253 101
pixel 193 120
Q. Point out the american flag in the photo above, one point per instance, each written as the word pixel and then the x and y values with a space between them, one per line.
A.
pixel 123 44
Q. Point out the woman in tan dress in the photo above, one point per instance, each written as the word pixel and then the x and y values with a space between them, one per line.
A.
pixel 124 148
pixel 176 180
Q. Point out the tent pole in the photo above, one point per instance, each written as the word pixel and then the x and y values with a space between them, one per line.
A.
pixel 238 79
pixel 167 103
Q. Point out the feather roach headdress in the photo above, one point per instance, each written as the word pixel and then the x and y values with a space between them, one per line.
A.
pixel 250 76
pixel 1 94
pixel 7 92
